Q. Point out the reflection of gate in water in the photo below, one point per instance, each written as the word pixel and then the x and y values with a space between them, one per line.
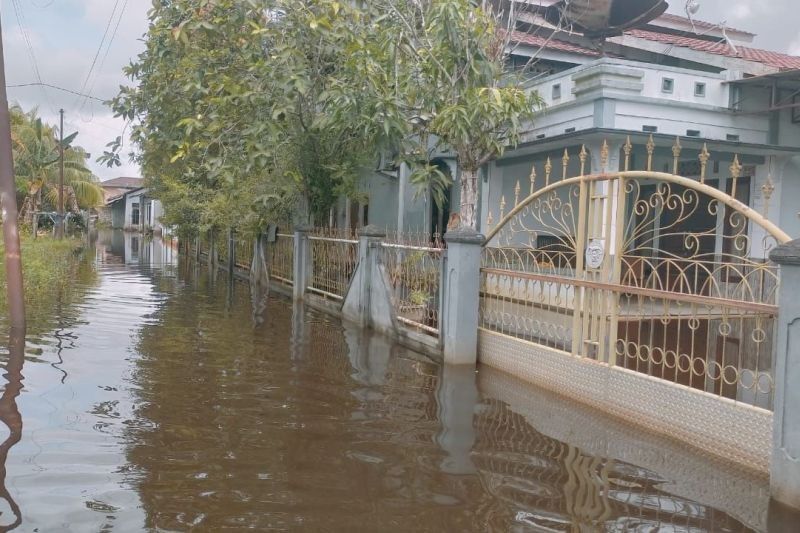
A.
pixel 647 271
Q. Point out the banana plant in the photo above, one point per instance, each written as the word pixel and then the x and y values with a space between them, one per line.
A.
pixel 36 157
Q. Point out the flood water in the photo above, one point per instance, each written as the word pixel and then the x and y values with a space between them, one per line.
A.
pixel 158 398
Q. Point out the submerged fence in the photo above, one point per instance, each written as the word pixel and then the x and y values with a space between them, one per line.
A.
pixel 334 257
pixel 411 262
pixel 415 274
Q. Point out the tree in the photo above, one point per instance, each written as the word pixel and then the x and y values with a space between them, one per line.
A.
pixel 449 83
pixel 36 156
pixel 245 110
pixel 233 109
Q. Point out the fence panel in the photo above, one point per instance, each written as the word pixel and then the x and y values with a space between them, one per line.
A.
pixel 244 252
pixel 334 262
pixel 415 275
pixel 281 259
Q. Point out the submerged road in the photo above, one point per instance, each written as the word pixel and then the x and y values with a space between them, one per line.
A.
pixel 156 398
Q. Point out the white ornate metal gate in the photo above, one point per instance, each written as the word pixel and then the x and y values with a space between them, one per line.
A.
pixel 644 271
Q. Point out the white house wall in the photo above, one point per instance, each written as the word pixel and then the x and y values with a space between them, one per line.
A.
pixel 382 191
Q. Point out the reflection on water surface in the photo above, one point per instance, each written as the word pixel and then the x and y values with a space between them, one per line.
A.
pixel 162 399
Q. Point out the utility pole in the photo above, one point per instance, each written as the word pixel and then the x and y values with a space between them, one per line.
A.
pixel 60 226
pixel 8 206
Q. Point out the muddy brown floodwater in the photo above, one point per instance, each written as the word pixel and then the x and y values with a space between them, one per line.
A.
pixel 160 399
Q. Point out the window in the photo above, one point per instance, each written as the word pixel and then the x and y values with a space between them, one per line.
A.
pixel 556 91
pixel 735 98
pixel 135 214
pixel 700 90
pixel 650 129
pixel 667 85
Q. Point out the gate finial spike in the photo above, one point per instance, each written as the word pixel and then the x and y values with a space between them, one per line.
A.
pixel 548 169
pixel 502 207
pixel 651 148
pixel 517 190
pixel 582 157
pixel 736 172
pixel 703 157
pixel 533 178
pixel 490 219
pixel 628 148
pixel 564 164
pixel 604 153
pixel 767 189
pixel 676 154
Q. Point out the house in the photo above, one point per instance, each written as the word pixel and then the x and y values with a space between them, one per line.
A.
pixel 672 78
pixel 113 213
pixel 136 210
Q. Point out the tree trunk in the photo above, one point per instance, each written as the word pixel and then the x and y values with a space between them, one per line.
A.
pixel 469 198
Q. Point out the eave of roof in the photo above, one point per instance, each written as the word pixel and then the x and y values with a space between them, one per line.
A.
pixel 669 17
pixel 539 41
pixel 765 57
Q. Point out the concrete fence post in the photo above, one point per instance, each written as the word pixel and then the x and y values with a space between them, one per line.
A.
pixel 259 269
pixel 785 469
pixel 212 250
pixel 231 251
pixel 356 307
pixel 302 261
pixel 461 279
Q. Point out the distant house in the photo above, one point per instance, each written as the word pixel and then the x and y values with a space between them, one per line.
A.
pixel 113 213
pixel 129 207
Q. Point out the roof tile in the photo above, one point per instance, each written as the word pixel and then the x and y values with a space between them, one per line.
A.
pixel 551 44
pixel 766 57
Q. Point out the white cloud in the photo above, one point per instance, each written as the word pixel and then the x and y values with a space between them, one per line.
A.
pixel 794 46
pixel 67 65
pixel 741 10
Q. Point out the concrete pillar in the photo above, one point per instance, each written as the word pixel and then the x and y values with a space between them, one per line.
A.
pixel 212 250
pixel 231 252
pixel 461 296
pixel 302 261
pixel 368 302
pixel 259 268
pixel 785 470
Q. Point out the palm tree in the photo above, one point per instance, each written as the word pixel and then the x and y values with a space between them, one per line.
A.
pixel 36 156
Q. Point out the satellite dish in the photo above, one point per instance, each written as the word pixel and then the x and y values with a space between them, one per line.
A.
pixel 598 19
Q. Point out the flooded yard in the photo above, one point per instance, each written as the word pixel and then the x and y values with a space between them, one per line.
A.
pixel 164 398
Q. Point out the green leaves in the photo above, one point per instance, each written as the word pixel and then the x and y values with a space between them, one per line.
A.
pixel 241 107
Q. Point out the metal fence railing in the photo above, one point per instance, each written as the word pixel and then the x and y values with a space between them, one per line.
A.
pixel 244 252
pixel 334 261
pixel 415 276
pixel 281 259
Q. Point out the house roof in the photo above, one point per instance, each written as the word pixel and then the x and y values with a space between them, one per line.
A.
pixel 540 41
pixel 677 19
pixel 124 195
pixel 766 57
pixel 123 183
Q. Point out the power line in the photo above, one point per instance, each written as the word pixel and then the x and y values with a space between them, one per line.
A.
pixel 40 84
pixel 105 56
pixel 29 47
pixel 99 49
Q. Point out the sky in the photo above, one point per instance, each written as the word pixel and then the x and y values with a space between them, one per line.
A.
pixel 66 36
